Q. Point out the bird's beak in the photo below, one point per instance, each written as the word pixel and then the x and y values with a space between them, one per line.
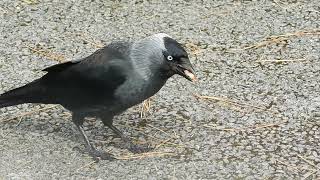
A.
pixel 186 70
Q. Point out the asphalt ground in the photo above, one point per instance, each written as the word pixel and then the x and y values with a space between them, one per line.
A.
pixel 253 114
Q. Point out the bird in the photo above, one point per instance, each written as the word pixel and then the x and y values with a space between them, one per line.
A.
pixel 106 83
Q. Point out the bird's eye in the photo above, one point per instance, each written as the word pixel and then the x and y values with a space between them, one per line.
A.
pixel 170 58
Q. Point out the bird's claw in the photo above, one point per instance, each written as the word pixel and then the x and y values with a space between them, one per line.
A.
pixel 134 148
pixel 96 154
pixel 138 149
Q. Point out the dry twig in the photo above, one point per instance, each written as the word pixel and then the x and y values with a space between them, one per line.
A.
pixel 282 60
pixel 86 165
pixel 254 127
pixel 243 105
pixel 144 155
pixel 47 53
pixel 160 130
pixel 193 48
pixel 307 161
pixel 232 102
pixel 88 39
pixel 155 138
pixel 30 2
pixel 299 169
pixel 308 174
pixel 281 39
pixel 145 108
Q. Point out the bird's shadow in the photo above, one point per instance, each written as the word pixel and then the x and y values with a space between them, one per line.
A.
pixel 44 124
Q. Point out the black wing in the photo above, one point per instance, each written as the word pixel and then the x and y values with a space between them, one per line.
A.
pixel 87 83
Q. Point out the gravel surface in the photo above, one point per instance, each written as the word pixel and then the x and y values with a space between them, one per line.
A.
pixel 257 60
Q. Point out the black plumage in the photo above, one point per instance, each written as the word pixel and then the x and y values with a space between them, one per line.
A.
pixel 107 82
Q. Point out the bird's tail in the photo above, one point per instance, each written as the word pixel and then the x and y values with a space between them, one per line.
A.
pixel 24 94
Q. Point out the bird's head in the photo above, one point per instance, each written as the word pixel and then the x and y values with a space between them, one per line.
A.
pixel 163 53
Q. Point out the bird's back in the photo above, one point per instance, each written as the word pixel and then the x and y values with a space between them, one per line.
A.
pixel 91 82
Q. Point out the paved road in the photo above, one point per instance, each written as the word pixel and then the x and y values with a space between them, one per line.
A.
pixel 257 61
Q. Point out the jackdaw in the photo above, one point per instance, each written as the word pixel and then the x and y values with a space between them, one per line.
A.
pixel 106 83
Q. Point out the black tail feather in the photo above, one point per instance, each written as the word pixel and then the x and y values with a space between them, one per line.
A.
pixel 6 103
pixel 24 94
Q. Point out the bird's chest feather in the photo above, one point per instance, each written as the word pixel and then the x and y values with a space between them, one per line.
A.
pixel 136 90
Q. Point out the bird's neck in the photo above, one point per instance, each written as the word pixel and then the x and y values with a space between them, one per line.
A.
pixel 146 57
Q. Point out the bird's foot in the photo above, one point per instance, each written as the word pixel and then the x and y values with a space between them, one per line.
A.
pixel 96 154
pixel 139 149
pixel 134 148
pixel 127 141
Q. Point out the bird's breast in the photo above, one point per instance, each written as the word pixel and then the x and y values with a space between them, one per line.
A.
pixel 134 91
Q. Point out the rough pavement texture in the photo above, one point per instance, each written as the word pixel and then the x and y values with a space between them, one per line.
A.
pixel 258 60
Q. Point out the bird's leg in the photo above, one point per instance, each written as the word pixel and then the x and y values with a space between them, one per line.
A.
pixel 128 143
pixel 96 154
